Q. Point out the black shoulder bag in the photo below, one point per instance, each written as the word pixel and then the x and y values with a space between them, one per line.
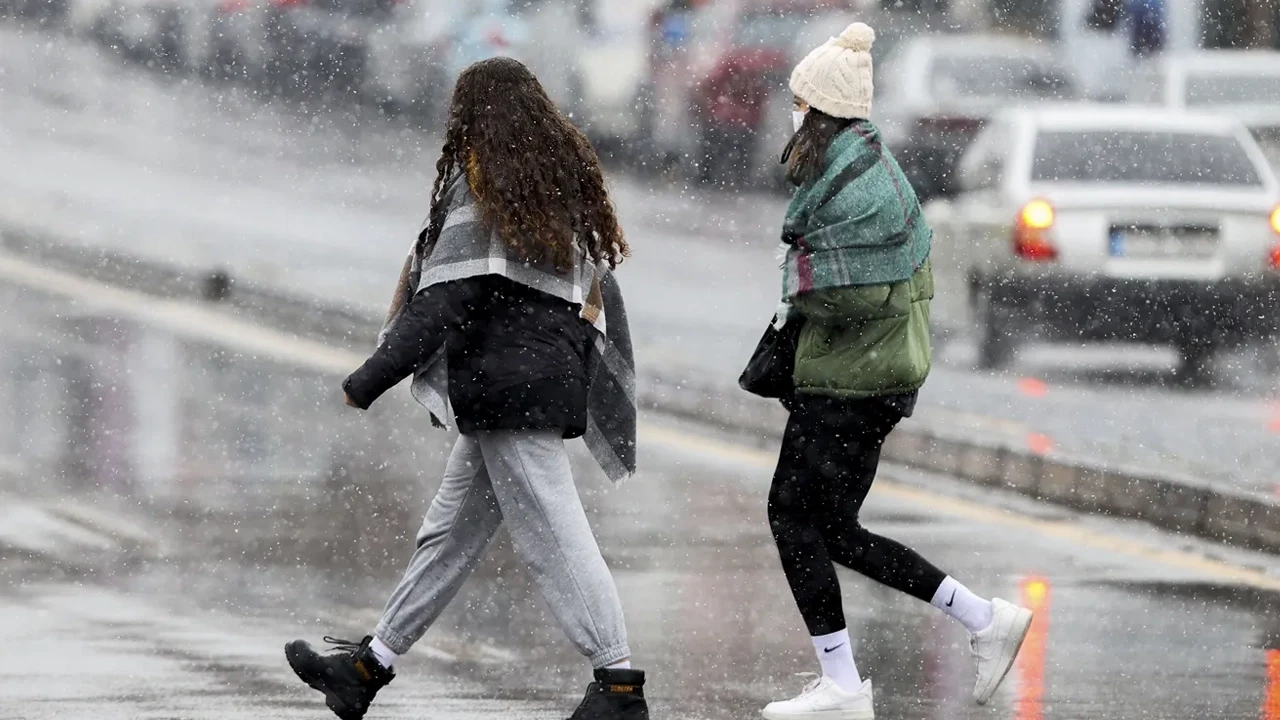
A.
pixel 770 370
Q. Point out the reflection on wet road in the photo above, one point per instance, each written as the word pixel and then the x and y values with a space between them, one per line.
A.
pixel 266 511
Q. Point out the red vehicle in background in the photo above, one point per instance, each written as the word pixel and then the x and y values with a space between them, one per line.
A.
pixel 717 102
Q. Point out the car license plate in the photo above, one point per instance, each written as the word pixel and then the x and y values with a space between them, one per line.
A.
pixel 1157 243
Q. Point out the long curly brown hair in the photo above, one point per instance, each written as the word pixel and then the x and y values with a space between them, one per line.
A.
pixel 536 178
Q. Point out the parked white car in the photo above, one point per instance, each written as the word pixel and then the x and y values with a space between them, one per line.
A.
pixel 1111 223
pixel 1244 84
pixel 934 92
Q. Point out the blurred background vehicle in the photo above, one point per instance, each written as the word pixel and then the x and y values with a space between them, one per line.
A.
pixel 407 71
pixel 1104 223
pixel 320 44
pixel 285 46
pixel 486 28
pixel 609 70
pixel 80 16
pixel 1244 84
pixel 423 44
pixel 717 98
pixel 935 93
pixel 218 38
pixel 145 31
pixel 47 11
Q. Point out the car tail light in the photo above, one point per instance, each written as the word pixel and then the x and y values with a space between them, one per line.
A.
pixel 1037 215
pixel 1031 239
pixel 1274 256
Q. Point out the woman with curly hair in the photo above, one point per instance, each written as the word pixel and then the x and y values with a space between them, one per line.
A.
pixel 500 316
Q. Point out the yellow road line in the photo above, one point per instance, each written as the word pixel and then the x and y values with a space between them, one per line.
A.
pixel 182 318
pixel 1074 532
pixel 213 325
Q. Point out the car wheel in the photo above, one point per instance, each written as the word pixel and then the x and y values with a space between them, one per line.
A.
pixel 706 165
pixel 721 156
pixel 1195 367
pixel 226 62
pixel 280 76
pixel 996 343
pixel 172 40
pixel 1270 359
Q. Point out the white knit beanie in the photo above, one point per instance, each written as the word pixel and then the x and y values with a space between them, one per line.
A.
pixel 836 77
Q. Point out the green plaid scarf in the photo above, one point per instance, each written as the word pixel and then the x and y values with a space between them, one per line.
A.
pixel 858 224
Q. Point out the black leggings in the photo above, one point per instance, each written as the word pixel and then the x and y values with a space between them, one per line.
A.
pixel 829 456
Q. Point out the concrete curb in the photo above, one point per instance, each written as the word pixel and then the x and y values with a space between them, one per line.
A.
pixel 1178 503
pixel 1175 502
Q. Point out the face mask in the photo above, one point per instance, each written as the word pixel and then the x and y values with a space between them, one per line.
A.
pixel 797 119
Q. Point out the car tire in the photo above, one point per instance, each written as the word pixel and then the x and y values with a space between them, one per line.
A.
pixel 996 343
pixel 723 157
pixel 1196 362
pixel 705 165
pixel 281 77
pixel 172 39
pixel 643 145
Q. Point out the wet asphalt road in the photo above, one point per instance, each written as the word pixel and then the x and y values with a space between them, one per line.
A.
pixel 1120 635
pixel 325 204
pixel 169 591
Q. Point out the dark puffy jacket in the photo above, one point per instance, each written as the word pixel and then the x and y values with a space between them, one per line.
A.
pixel 517 356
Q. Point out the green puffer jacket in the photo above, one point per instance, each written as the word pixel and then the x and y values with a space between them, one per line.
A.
pixel 858 270
pixel 865 340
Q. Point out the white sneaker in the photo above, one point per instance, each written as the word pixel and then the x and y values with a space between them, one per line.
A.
pixel 997 646
pixel 823 699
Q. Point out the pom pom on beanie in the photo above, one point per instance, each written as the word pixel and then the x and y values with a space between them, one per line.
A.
pixel 836 76
pixel 858 37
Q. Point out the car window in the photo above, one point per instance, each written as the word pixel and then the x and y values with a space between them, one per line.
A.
pixel 1222 89
pixel 1142 157
pixel 982 167
pixel 997 76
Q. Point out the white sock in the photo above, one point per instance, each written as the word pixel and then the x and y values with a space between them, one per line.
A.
pixel 385 655
pixel 835 653
pixel 620 665
pixel 955 600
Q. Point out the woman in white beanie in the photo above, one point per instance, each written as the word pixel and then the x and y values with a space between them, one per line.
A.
pixel 857 276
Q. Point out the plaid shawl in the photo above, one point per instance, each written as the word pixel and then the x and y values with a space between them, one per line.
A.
pixel 468 248
pixel 858 224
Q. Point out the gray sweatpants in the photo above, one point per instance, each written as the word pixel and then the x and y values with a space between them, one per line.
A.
pixel 523 478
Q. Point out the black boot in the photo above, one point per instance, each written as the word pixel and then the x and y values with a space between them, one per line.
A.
pixel 349 676
pixel 615 695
